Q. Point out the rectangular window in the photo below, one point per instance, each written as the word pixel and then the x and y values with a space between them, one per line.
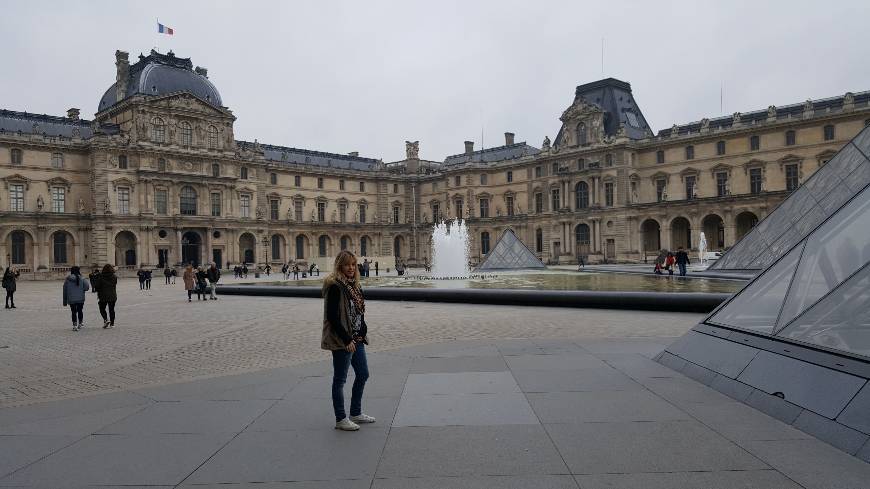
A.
pixel 16 156
pixel 395 188
pixel 754 143
pixel 539 171
pixel 829 133
pixel 484 207
pixel 660 156
pixel 245 206
pixel 722 184
pixel 720 148
pixel 791 177
pixel 342 212
pixel 434 186
pixel 341 184
pixel 556 204
pixel 755 181
pixel 539 203
pixel 273 178
pixel 122 162
pixel 395 214
pixel 297 181
pixel 319 182
pixel 321 211
pixel 459 209
pixel 362 214
pixel 690 152
pixel 362 186
pixel 243 173
pixel 186 135
pixel 555 168
pixel 510 177
pixel 297 210
pixel 123 200
pixel 457 180
pixel 436 213
pixel 660 189
pixel 58 199
pixel 581 164
pixel 509 203
pixel 789 138
pixel 57 160
pixel 215 170
pixel 483 179
pixel 608 194
pixel 273 209
pixel 216 204
pixel 690 187
pixel 160 201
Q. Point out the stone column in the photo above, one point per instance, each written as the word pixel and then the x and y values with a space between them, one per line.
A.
pixel 208 246
pixel 139 259
pixel 665 232
pixel 44 255
pixel 148 258
pixel 178 255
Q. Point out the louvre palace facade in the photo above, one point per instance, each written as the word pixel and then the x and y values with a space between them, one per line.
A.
pixel 157 177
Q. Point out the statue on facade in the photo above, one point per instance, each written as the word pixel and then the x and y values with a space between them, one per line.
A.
pixel 258 211
pixel 290 213
pixel 675 131
pixel 81 206
pixel 355 216
pixel 849 99
pixel 736 118
pixel 771 112
pixel 705 124
pixel 664 193
pixel 412 150
pixel 545 146
pixel 39 203
pixel 107 206
pixel 334 219
pixel 313 215
pixel 808 106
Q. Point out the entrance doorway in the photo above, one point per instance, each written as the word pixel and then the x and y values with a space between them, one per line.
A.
pixel 610 250
pixel 162 258
pixel 217 257
pixel 190 243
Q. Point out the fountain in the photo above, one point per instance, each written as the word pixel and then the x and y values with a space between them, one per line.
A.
pixel 450 249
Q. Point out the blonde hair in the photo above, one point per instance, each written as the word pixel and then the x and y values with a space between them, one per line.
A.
pixel 343 258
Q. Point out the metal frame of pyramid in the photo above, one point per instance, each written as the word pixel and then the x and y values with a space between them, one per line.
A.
pixel 795 342
pixel 844 175
pixel 510 253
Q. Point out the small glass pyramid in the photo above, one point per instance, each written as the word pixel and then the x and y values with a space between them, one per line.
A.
pixel 510 254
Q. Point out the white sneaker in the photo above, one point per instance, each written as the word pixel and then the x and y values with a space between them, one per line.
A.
pixel 346 425
pixel 362 418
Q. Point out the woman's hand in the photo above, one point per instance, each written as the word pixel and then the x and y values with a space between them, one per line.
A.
pixel 351 347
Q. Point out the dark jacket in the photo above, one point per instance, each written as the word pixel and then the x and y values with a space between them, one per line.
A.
pixel 9 281
pixel 213 275
pixel 107 287
pixel 337 330
pixel 74 293
pixel 682 258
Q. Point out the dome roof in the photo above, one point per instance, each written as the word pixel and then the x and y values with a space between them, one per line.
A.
pixel 161 74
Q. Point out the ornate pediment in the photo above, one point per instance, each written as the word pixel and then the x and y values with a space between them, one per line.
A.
pixel 16 178
pixel 582 123
pixel 580 109
pixel 659 175
pixel 720 168
pixel 59 182
pixel 123 182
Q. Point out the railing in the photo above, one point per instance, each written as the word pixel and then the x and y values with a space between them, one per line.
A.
pixel 61 269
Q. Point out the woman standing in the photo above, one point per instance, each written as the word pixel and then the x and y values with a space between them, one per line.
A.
pixel 189 281
pixel 201 285
pixel 107 293
pixel 74 288
pixel 9 278
pixel 344 333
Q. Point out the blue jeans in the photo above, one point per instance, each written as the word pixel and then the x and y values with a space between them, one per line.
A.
pixel 77 313
pixel 341 360
pixel 682 269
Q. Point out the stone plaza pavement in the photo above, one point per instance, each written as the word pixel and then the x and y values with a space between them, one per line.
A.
pixel 235 393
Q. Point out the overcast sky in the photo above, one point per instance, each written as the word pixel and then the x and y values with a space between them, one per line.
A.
pixel 365 76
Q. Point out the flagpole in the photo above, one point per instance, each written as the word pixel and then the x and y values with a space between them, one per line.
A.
pixel 157 39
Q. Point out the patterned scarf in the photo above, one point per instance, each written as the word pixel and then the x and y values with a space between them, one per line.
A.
pixel 353 290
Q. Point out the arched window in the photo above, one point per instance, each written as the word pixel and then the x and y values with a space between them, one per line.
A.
pixel 59 240
pixel 276 247
pixel 539 240
pixel 161 164
pixel 300 247
pixel 186 133
pixel 188 201
pixel 212 134
pixel 364 246
pixel 484 243
pixel 215 170
pixel 581 134
pixel 19 255
pixel 582 190
pixel 322 243
pixel 158 130
pixel 582 234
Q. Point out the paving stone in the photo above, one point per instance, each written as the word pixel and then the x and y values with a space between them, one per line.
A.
pixel 190 417
pixel 460 383
pixel 227 388
pixel 671 361
pixel 744 479
pixel 589 379
pixel 317 414
pixel 121 460
pixel 465 410
pixel 812 463
pixel 638 366
pixel 661 446
pixel 683 391
pixel 554 362
pixel 298 455
pixel 646 347
pixel 458 364
pixel 484 482
pixel 378 385
pixel 19 450
pixel 603 406
pixel 469 450
pixel 75 425
pixel 857 413
pixel 333 484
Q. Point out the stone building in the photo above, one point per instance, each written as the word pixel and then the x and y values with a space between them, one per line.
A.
pixel 158 177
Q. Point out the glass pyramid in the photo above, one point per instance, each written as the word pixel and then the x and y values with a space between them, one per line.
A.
pixel 819 292
pixel 816 200
pixel 510 254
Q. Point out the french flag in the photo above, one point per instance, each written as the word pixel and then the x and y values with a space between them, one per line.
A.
pixel 162 29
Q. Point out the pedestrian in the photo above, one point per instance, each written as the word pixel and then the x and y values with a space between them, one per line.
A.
pixel 682 260
pixel 9 278
pixel 107 293
pixel 201 285
pixel 148 279
pixel 296 272
pixel 581 263
pixel 365 268
pixel 189 281
pixel 167 273
pixel 268 269
pixel 345 334
pixel 74 288
pixel 245 270
pixel 174 274
pixel 376 269
pixel 284 269
pixel 669 263
pixel 214 275
pixel 94 276
pixel 140 274
pixel 317 270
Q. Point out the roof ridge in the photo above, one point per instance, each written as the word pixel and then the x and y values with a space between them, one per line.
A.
pixel 45 117
pixel 488 150
pixel 311 152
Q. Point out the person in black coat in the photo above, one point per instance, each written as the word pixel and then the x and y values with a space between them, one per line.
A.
pixel 106 286
pixel 9 278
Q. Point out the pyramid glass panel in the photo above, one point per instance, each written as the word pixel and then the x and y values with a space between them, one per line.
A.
pixel 841 320
pixel 833 252
pixel 757 306
pixel 510 254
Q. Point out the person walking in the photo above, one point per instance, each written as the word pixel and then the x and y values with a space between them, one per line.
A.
pixel 189 281
pixel 284 268
pixel 74 288
pixel 213 275
pixel 140 274
pixel 107 293
pixel 669 263
pixel 682 259
pixel 201 284
pixel 167 273
pixel 376 269
pixel 9 278
pixel 296 272
pixel 366 268
pixel 94 276
pixel 174 274
pixel 344 333
pixel 245 270
pixel 148 279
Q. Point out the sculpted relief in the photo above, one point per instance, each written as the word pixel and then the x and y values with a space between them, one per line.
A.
pixel 582 123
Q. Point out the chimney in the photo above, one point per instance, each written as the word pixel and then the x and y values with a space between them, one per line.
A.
pixel 122 63
pixel 73 114
pixel 201 71
pixel 353 153
pixel 469 147
pixel 508 138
